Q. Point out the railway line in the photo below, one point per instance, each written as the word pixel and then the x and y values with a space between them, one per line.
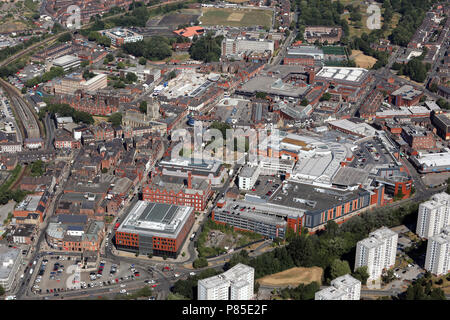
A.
pixel 29 125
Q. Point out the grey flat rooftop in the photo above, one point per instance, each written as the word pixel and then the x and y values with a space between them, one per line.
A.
pixel 312 198
pixel 247 171
pixel 268 212
pixel 30 203
pixel 65 60
pixel 348 176
pixel 155 219
pixel 158 213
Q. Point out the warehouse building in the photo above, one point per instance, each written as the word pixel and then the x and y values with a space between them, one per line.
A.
pixel 432 162
pixel 155 228
pixel 67 62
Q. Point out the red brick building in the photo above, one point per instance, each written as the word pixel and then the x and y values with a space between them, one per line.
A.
pixel 303 60
pixel 174 190
pixel 406 96
pixel 418 138
pixel 162 231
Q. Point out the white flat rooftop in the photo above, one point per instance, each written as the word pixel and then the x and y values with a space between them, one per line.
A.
pixel 434 159
pixel 347 74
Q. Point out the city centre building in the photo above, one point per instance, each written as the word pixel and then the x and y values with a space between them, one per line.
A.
pixel 154 228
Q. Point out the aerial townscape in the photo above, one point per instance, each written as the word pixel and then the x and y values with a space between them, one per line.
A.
pixel 224 150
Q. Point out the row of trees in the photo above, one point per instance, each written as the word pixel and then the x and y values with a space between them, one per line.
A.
pixel 12 68
pixel 415 69
pixel 320 12
pixel 153 48
pixel 206 48
pixel 65 110
pixel 302 292
pixel 9 51
pixel 413 13
pixel 99 38
pixel 422 289
pixel 6 194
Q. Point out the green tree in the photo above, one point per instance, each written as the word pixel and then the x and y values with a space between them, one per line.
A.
pixel 65 37
pixel 131 77
pixel 304 102
pixel 115 119
pixel 388 276
pixel 176 296
pixel 361 274
pixel 325 97
pixel 207 48
pixel 88 74
pixel 261 95
pixel 37 168
pixel 143 107
pixel 172 75
pixel 109 57
pixel 200 263
pixel 339 268
pixel 142 61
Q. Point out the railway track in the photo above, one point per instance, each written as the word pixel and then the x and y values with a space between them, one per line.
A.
pixel 29 125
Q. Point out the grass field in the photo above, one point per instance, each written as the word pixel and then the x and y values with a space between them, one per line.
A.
pixel 333 50
pixel 293 277
pixel 236 17
pixel 362 60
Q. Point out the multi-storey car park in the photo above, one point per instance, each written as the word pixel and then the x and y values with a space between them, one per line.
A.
pixel 154 228
pixel 295 205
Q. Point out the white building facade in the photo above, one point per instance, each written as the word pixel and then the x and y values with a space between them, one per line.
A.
pixel 248 177
pixel 236 283
pixel 342 288
pixel 437 260
pixel 377 252
pixel 10 262
pixel 433 215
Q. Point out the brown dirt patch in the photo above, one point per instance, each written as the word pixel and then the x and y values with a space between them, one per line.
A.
pixel 362 60
pixel 293 277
